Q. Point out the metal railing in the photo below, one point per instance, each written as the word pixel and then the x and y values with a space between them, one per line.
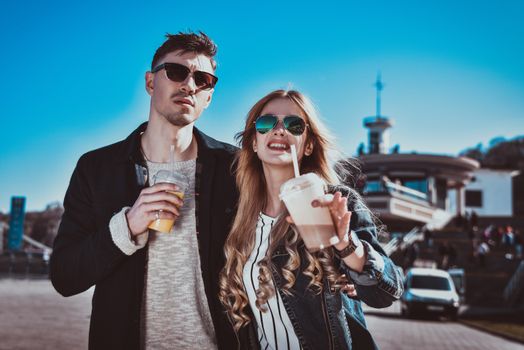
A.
pixel 415 234
pixel 514 290
pixel 406 191
pixel 386 186
pixel 37 244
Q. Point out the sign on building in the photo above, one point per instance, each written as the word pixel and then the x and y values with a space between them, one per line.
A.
pixel 16 223
pixel 3 227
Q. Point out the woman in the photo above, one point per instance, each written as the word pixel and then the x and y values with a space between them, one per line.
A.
pixel 276 293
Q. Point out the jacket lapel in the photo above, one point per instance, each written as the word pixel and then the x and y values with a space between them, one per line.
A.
pixel 206 171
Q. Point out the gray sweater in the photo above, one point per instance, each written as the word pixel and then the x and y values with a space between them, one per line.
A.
pixel 175 312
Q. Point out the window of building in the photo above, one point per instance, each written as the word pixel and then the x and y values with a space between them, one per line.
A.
pixel 420 185
pixel 474 198
pixel 374 187
pixel 374 139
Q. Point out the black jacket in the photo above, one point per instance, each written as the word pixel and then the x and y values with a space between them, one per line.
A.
pixel 332 320
pixel 103 182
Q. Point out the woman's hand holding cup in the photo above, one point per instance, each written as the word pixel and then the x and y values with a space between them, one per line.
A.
pixel 337 205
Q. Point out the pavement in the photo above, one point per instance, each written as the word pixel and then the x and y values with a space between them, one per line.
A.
pixel 392 332
pixel 476 311
pixel 33 315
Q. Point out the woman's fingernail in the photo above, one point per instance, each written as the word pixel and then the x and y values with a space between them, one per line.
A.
pixel 314 203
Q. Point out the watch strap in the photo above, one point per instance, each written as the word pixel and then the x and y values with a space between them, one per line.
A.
pixel 353 244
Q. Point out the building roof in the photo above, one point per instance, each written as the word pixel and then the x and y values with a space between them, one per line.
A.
pixel 456 170
pixel 380 121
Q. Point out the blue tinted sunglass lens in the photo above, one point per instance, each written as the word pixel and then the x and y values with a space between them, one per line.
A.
pixel 265 123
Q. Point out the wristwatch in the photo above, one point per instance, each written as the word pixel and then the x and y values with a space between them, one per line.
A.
pixel 354 243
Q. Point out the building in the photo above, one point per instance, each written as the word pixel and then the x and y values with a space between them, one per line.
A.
pixel 490 193
pixel 411 189
pixel 3 231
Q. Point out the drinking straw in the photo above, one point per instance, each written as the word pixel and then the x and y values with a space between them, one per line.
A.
pixel 295 160
pixel 172 157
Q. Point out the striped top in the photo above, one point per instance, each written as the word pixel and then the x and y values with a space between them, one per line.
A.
pixel 274 327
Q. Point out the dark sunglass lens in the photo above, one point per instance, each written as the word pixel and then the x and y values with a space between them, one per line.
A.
pixel 176 72
pixel 204 80
pixel 265 123
pixel 295 125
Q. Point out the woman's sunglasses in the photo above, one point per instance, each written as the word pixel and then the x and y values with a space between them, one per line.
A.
pixel 294 124
pixel 178 73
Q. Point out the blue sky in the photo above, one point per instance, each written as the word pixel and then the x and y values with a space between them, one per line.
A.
pixel 73 73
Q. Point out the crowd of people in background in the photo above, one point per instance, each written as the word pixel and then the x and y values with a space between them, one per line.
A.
pixel 486 238
pixel 483 241
pixel 505 236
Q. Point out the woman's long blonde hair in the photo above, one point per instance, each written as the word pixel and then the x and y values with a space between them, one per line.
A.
pixel 252 188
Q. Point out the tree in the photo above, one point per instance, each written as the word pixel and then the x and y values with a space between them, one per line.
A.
pixel 360 150
pixel 506 155
pixel 496 140
pixel 474 153
pixel 395 149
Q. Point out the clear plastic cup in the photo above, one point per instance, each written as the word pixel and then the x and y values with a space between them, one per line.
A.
pixel 314 225
pixel 182 182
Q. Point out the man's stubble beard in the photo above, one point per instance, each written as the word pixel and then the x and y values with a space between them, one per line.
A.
pixel 179 119
pixel 181 116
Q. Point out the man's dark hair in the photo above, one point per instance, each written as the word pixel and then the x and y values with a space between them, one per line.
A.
pixel 198 43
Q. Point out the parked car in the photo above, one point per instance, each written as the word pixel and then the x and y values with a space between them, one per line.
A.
pixel 429 291
pixel 459 280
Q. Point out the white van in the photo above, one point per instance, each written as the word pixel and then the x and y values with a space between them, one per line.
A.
pixel 429 291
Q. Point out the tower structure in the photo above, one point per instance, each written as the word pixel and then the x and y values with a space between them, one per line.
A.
pixel 378 125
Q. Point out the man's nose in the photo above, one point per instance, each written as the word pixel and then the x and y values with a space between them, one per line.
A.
pixel 188 85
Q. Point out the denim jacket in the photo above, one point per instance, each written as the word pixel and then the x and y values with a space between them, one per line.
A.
pixel 331 319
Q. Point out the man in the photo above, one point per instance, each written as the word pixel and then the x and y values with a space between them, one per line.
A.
pixel 154 290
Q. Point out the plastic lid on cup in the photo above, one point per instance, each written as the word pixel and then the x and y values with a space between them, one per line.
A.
pixel 170 177
pixel 299 183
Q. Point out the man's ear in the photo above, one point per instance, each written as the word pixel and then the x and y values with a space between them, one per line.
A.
pixel 149 82
pixel 209 98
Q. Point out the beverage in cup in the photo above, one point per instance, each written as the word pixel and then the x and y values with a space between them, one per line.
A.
pixel 182 182
pixel 314 225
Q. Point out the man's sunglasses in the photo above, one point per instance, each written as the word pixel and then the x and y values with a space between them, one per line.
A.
pixel 294 124
pixel 178 73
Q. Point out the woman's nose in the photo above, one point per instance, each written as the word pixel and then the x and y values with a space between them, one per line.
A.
pixel 279 128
